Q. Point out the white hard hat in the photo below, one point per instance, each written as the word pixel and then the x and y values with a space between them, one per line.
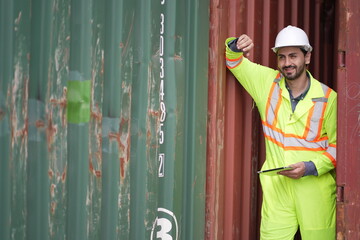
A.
pixel 292 36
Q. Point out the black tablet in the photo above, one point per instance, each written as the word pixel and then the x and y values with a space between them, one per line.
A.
pixel 274 171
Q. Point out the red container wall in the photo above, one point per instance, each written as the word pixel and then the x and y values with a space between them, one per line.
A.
pixel 235 141
pixel 348 85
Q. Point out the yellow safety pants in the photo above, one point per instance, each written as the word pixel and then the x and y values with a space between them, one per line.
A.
pixel 308 203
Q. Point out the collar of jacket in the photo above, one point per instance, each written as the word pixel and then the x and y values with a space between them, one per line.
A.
pixel 306 104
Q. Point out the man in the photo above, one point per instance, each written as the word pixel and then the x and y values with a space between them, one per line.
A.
pixel 298 115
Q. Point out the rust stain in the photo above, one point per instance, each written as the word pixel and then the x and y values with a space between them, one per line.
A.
pixel 96 115
pixel 98 154
pixel 178 58
pixel 50 173
pixel 124 129
pixel 114 137
pixel 40 124
pixel 123 149
pixel 153 113
pixel 96 119
pixel 124 146
pixel 51 131
pixel 91 167
pixel 122 167
pixel 63 176
pixel 21 132
pixel 53 207
pixel 2 114
pixel 15 131
pixel 97 173
pixel 52 190
pixel 62 104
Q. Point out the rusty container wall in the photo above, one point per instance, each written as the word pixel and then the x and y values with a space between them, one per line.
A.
pixel 235 139
pixel 348 85
pixel 103 119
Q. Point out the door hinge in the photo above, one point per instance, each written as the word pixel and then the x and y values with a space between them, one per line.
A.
pixel 341 59
pixel 340 193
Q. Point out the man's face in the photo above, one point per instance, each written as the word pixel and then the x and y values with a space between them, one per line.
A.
pixel 292 62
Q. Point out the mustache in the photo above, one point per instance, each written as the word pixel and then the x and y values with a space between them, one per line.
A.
pixel 290 66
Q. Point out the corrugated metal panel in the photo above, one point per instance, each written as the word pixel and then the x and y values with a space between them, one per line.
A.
pixel 348 85
pixel 103 119
pixel 233 206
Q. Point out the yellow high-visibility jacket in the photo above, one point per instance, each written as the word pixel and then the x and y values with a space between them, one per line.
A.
pixel 307 134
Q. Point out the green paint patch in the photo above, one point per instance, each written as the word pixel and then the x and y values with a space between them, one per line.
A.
pixel 78 101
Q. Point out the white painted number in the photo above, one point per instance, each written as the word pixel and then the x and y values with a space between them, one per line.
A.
pixel 161 156
pixel 161 139
pixel 165 228
pixel 161 164
pixel 161 46
pixel 162 23
pixel 163 112
pixel 162 69
pixel 162 93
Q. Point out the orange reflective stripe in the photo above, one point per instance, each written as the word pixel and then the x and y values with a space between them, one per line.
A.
pixel 304 149
pixel 277 108
pixel 315 118
pixel 332 159
pixel 331 153
pixel 269 99
pixel 294 148
pixel 278 77
pixel 289 135
pixel 319 139
pixel 233 63
pixel 274 141
pixel 274 101
pixel 311 139
pixel 292 141
pixel 308 121
pixel 321 122
pixel 323 114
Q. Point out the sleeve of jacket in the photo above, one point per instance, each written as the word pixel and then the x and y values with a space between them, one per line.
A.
pixel 327 161
pixel 255 78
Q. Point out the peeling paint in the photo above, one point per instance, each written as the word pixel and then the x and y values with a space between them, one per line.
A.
pixel 63 175
pixel 52 207
pixel 50 173
pixel 348 15
pixel 66 182
pixel 61 103
pixel 52 190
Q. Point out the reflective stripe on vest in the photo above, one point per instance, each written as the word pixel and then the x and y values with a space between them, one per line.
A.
pixel 233 63
pixel 274 101
pixel 291 141
pixel 310 141
pixel 331 153
pixel 316 115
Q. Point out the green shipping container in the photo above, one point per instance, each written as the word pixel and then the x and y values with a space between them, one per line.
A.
pixel 103 111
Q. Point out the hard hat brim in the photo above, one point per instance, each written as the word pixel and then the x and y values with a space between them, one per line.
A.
pixel 306 48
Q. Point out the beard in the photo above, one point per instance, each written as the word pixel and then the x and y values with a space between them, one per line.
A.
pixel 292 76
